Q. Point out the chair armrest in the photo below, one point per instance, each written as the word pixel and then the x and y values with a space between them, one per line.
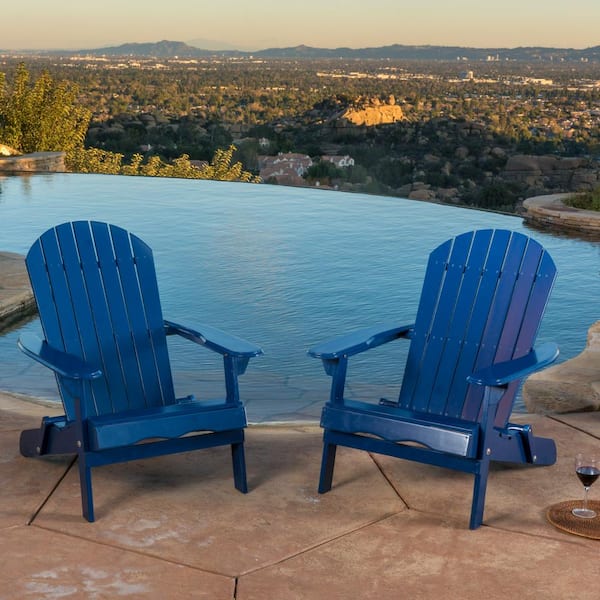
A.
pixel 215 339
pixel 359 341
pixel 503 373
pixel 62 363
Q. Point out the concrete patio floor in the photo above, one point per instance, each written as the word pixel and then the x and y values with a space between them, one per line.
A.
pixel 175 527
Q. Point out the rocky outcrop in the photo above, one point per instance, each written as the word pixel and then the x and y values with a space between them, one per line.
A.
pixel 570 386
pixel 569 174
pixel 372 112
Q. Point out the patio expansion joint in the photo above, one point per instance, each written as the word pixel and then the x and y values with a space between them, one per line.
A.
pixel 326 542
pixel 39 508
pixel 557 419
pixel 389 481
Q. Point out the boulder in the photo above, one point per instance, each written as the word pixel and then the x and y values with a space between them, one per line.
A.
pixel 584 179
pixel 547 163
pixel 572 386
pixel 461 152
pixel 422 194
pixel 523 162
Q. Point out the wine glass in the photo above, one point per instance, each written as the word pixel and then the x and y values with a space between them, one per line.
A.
pixel 587 467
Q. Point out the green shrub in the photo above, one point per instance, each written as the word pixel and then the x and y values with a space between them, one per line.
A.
pixel 95 160
pixel 585 200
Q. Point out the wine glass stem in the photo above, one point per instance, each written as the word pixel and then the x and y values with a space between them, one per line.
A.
pixel 585 496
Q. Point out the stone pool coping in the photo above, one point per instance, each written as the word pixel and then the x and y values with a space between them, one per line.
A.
pixel 16 297
pixel 551 212
pixel 36 162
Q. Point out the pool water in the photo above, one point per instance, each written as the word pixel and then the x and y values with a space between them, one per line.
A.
pixel 282 267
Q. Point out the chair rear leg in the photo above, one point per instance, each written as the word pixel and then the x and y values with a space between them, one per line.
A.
pixel 327 465
pixel 239 467
pixel 85 482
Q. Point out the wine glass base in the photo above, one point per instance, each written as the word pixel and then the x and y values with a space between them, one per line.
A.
pixel 584 513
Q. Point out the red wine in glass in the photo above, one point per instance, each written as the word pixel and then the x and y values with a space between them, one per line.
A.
pixel 587 475
pixel 587 468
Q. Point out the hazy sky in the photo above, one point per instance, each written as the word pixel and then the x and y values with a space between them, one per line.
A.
pixel 258 24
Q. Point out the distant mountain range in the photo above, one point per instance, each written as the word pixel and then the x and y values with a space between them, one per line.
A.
pixel 171 49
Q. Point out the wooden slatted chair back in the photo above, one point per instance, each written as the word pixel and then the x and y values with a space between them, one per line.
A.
pixel 97 295
pixel 483 296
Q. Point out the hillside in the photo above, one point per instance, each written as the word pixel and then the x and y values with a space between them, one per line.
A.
pixel 170 49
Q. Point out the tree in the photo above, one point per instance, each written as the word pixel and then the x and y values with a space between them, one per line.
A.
pixel 43 116
pixel 221 168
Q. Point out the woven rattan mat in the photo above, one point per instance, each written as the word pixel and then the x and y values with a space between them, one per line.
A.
pixel 560 516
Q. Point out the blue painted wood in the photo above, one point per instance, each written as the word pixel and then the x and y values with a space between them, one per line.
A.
pixel 436 268
pixel 446 399
pixel 106 341
pixel 82 316
pixel 215 339
pixel 483 297
pixel 441 320
pixel 494 246
pixel 402 425
pixel 156 327
pixel 103 396
pixel 134 289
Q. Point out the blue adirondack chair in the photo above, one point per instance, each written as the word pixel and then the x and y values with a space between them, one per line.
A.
pixel 106 341
pixel 482 300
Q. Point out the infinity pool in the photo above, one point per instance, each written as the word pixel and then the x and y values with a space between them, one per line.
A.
pixel 284 268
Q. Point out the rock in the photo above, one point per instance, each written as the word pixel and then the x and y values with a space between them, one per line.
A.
pixel 546 174
pixel 404 190
pixel 572 386
pixel 8 151
pixel 572 162
pixel 421 194
pixel 374 115
pixel 447 194
pixel 522 162
pixel 584 179
pixel 461 152
pixel 547 163
pixel 431 159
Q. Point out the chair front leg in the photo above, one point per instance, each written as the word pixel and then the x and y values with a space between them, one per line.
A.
pixel 239 467
pixel 327 465
pixel 85 471
pixel 479 490
pixel 491 399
